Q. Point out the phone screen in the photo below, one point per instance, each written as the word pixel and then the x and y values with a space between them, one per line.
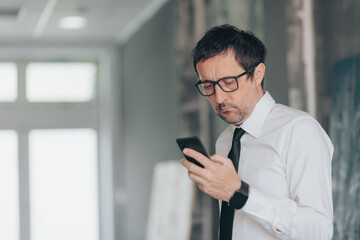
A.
pixel 193 143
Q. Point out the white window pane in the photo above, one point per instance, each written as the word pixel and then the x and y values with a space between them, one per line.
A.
pixel 63 184
pixel 8 82
pixel 60 82
pixel 9 190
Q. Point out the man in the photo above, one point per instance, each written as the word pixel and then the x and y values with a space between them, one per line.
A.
pixel 282 186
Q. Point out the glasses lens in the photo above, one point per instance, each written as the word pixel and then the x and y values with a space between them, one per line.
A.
pixel 206 88
pixel 228 84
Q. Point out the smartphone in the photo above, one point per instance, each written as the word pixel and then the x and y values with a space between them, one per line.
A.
pixel 193 143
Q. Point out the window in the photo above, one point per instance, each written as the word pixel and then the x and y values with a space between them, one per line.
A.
pixel 49 150
pixel 63 184
pixel 8 89
pixel 9 200
pixel 60 82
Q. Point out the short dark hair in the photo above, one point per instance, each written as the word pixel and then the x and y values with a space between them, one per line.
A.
pixel 249 50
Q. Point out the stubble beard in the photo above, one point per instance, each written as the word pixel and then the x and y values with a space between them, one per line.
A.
pixel 234 116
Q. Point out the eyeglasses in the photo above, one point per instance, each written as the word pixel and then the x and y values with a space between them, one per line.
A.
pixel 228 84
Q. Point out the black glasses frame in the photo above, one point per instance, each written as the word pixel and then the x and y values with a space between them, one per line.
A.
pixel 217 82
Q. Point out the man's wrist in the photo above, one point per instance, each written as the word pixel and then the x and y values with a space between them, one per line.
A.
pixel 240 196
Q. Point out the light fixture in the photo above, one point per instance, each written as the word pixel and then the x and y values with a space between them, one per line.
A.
pixel 75 21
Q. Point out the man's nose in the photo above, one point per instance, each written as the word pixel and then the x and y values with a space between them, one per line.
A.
pixel 220 95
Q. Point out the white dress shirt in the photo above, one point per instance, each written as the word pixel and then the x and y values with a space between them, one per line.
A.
pixel 286 159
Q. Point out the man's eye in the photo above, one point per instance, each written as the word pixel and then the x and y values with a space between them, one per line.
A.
pixel 228 81
pixel 207 85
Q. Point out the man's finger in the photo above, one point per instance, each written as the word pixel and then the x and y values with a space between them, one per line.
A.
pixel 195 178
pixel 191 167
pixel 221 159
pixel 197 156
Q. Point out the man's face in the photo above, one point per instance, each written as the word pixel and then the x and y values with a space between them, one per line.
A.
pixel 233 107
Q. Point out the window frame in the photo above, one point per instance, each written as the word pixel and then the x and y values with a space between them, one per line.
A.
pixel 100 113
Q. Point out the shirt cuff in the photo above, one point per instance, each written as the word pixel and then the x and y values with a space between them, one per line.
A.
pixel 257 203
pixel 268 212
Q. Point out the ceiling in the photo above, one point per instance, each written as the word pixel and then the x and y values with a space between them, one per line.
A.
pixel 107 20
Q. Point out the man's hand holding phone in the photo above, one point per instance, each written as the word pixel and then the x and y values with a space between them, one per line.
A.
pixel 216 178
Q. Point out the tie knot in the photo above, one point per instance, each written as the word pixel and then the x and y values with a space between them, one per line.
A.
pixel 238 134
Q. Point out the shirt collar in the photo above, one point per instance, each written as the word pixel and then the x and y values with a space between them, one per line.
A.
pixel 255 121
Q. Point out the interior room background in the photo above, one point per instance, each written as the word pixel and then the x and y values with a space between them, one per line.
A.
pixel 143 98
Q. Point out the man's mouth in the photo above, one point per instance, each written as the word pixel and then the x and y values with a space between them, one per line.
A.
pixel 224 107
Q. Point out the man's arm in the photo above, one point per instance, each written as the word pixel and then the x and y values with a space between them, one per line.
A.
pixel 308 213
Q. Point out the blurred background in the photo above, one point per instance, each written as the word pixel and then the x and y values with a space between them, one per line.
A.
pixel 93 95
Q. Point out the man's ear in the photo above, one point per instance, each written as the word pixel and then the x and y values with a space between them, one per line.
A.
pixel 259 73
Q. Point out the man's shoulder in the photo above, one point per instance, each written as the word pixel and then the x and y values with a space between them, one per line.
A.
pixel 284 120
pixel 285 115
pixel 299 125
pixel 279 108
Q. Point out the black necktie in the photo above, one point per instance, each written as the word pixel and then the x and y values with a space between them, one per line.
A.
pixel 227 213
